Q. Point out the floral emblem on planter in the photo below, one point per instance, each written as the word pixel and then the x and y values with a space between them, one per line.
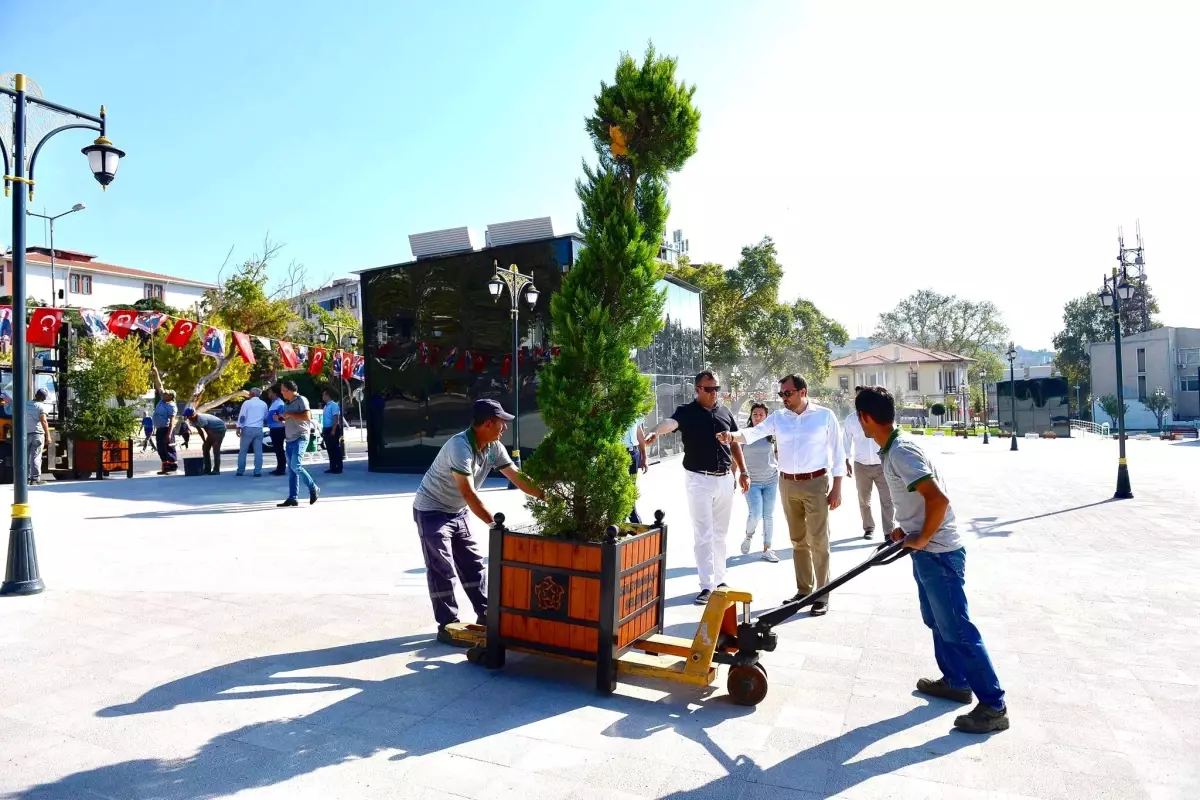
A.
pixel 549 594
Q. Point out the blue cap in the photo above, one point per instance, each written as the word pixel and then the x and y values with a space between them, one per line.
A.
pixel 189 412
pixel 484 410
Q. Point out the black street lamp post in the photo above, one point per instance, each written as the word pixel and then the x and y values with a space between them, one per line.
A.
pixel 347 342
pixel 984 403
pixel 1011 355
pixel 21 574
pixel 517 285
pixel 1116 290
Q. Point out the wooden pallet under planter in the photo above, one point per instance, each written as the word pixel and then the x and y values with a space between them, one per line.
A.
pixel 585 601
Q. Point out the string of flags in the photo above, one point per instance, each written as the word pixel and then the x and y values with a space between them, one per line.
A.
pixel 44 325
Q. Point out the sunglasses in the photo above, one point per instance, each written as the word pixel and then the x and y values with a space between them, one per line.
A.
pixel 709 389
pixel 786 393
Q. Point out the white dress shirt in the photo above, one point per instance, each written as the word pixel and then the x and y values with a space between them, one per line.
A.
pixel 858 447
pixel 807 442
pixel 253 413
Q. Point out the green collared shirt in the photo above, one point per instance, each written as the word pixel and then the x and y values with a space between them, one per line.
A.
pixel 905 465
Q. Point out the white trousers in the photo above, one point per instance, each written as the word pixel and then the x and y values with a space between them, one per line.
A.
pixel 710 501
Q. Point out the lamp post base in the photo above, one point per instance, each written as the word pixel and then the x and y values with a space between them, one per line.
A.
pixel 21 576
pixel 1124 490
pixel 1014 441
pixel 985 436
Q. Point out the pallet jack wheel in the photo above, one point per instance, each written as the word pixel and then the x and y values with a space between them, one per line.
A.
pixel 475 654
pixel 747 684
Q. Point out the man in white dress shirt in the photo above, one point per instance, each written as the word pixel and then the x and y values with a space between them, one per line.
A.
pixel 250 427
pixel 810 455
pixel 867 471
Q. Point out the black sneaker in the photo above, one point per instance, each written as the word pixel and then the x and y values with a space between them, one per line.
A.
pixel 819 608
pixel 939 688
pixel 702 598
pixel 868 534
pixel 983 719
pixel 313 494
pixel 289 503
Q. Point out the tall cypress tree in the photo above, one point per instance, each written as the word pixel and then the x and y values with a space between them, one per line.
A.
pixel 643 129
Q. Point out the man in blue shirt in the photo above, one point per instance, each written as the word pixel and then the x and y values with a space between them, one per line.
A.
pixel 275 429
pixel 331 432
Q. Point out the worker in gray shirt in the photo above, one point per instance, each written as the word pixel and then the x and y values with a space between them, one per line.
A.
pixel 440 507
pixel 37 434
pixel 925 522
pixel 296 429
pixel 212 435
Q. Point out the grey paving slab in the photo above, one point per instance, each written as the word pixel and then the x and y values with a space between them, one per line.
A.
pixel 197 642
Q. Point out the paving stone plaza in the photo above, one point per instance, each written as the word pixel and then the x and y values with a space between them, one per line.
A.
pixel 196 642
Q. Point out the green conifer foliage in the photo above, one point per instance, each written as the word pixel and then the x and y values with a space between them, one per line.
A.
pixel 644 128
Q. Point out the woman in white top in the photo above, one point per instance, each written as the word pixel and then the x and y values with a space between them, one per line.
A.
pixel 762 465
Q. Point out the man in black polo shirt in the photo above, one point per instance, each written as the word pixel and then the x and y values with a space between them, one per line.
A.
pixel 708 476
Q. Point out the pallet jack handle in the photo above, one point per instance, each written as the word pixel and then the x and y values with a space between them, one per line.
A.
pixel 886 553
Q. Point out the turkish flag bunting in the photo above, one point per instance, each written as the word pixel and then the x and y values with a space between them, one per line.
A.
pixel 121 322
pixel 43 327
pixel 479 364
pixel 287 354
pixel 316 361
pixel 347 365
pixel 245 349
pixel 506 366
pixel 423 351
pixel 181 333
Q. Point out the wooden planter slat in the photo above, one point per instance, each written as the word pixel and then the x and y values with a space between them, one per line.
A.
pixel 584 601
pixel 102 456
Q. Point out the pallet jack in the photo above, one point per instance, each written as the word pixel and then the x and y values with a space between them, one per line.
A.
pixel 720 638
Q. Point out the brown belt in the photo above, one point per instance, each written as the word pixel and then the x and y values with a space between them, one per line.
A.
pixel 802 476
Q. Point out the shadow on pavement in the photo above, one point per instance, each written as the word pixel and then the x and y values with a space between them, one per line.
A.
pixel 987 526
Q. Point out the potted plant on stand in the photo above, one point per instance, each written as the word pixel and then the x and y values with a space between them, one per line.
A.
pixel 581 582
pixel 104 374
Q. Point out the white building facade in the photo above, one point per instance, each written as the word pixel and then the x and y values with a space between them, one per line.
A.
pixel 341 293
pixel 79 280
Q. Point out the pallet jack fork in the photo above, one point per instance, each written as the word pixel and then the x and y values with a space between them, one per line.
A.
pixel 727 634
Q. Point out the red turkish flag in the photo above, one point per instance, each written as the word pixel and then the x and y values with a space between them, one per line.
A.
pixel 245 349
pixel 121 322
pixel 506 367
pixel 42 330
pixel 347 365
pixel 479 364
pixel 181 333
pixel 316 361
pixel 288 354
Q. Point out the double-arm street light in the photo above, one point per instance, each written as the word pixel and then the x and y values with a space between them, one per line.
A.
pixel 1116 290
pixel 1011 355
pixel 35 121
pixel 518 285
pixel 50 219
pixel 983 391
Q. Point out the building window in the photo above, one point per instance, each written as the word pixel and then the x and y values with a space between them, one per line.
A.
pixel 353 299
pixel 81 284
pixel 1141 357
pixel 1141 387
pixel 939 381
pixel 1189 384
pixel 152 291
pixel 914 384
pixel 844 383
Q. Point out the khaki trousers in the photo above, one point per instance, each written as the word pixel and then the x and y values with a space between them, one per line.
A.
pixel 866 476
pixel 807 512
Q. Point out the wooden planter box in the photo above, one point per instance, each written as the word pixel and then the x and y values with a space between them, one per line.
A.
pixel 101 457
pixel 583 601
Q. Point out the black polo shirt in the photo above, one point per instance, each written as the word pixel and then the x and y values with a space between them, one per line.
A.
pixel 698 427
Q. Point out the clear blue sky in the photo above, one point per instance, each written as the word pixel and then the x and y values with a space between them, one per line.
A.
pixel 985 149
pixel 339 128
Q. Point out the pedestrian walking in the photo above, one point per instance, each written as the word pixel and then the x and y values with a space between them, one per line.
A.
pixel 864 465
pixel 331 432
pixel 275 429
pixel 709 476
pixel 164 433
pixel 211 429
pixel 37 434
pixel 147 431
pixel 251 418
pixel 297 428
pixel 762 465
pixel 635 443
pixel 446 493
pixel 809 442
pixel 925 522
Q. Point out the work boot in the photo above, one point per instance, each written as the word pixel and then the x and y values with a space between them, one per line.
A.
pixel 939 688
pixel 983 719
pixel 444 637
